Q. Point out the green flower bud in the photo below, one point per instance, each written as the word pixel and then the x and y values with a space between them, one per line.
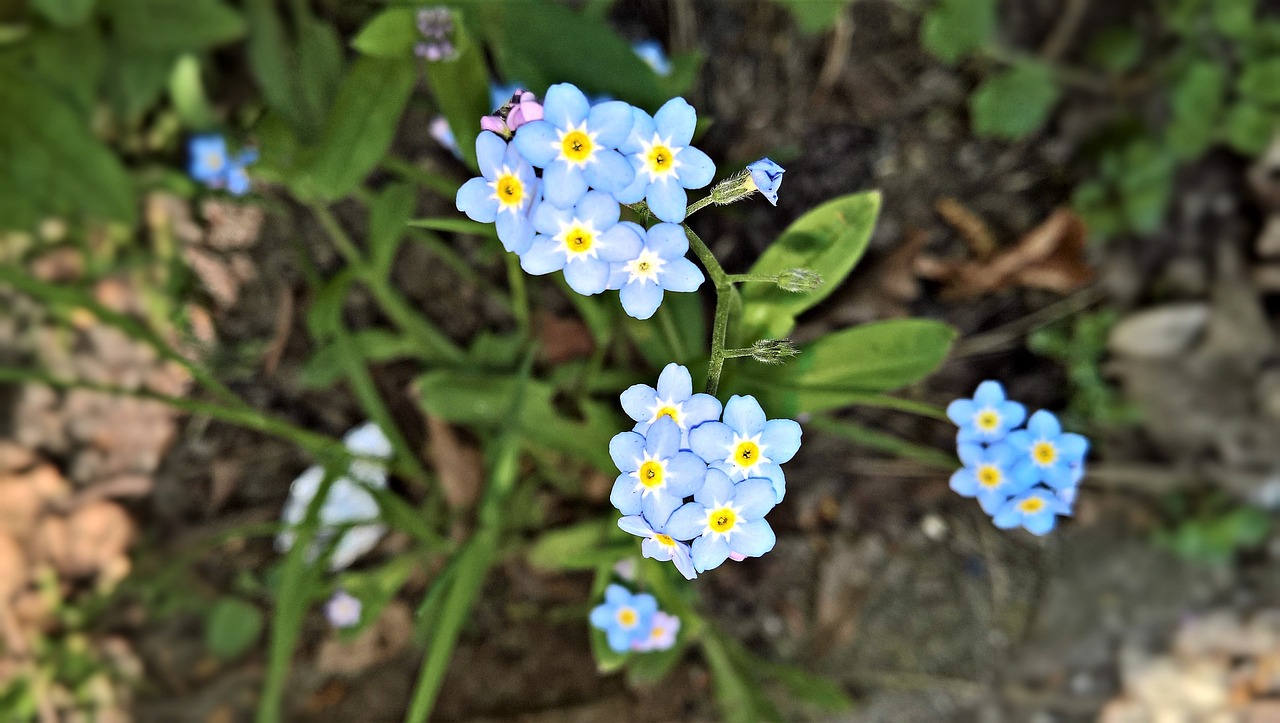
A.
pixel 773 351
pixel 799 280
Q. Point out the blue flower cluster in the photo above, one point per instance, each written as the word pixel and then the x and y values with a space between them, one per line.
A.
pixel 682 447
pixel 212 165
pixel 634 622
pixel 593 159
pixel 1021 477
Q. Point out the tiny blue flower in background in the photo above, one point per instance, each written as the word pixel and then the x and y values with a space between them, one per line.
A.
pixel 658 545
pixel 582 240
pixel 575 144
pixel 212 165
pixel 443 134
pixel 1035 510
pixel 986 475
pixel 343 610
pixel 504 194
pixel 674 398
pixel 1046 454
pixel 659 266
pixel 987 417
pixel 663 630
pixel 625 618
pixel 725 517
pixel 651 52
pixel 656 474
pixel 665 164
pixel 766 176
pixel 746 445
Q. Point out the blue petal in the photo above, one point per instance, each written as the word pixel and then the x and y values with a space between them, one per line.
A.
pixel 681 275
pixel 1072 447
pixel 609 171
pixel 701 408
pixel 744 415
pixel 663 438
pixel 636 525
pixel 755 497
pixel 624 496
pixel 237 181
pixel 640 300
pixel 1039 524
pixel 989 394
pixel 1009 516
pixel 549 218
pixel 515 231
pixel 971 454
pixel 1059 475
pixel 667 200
pixel 1044 425
pixel 773 473
pixel 602 616
pixel 654 550
pixel 642 130
pixel 781 440
pixel 537 142
pixel 619 639
pixel 716 489
pixel 475 199
pixel 1011 413
pixel 961 412
pixel 687 522
pixel 687 472
pixel 667 240
pixel 562 185
pixel 1019 441
pixel 587 276
pixel 999 453
pixel 682 557
pixel 612 121
pixel 598 208
pixel 696 168
pixel 1026 473
pixel 659 505
pixel 753 538
pixel 617 595
pixel 675 121
pixel 565 105
pixel 709 553
pixel 675 383
pixel 490 152
pixel 711 441
pixel 619 244
pixel 542 257
pixel 964 483
pixel 637 400
pixel 992 501
pixel 635 191
pixel 645 604
pixel 626 449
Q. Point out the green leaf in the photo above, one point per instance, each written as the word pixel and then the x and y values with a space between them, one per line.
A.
pixel 677 332
pixel 325 367
pixel 806 687
pixel 186 92
pixel 135 78
pixel 1260 81
pixel 320 54
pixel 1015 103
pixel 582 546
pixel 841 368
pixel 1249 128
pixel 175 25
pixel 1196 101
pixel 1233 18
pixel 953 29
pixel 324 318
pixel 388 217
pixel 362 124
pixel 72 62
pixel 64 12
pixel 232 628
pixel 456 225
pixel 830 240
pixel 1116 49
pixel 273 56
pixel 461 90
pixel 391 33
pixel 815 16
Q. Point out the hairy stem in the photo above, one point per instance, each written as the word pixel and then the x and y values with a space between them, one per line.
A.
pixel 740 278
pixel 724 295
pixel 698 205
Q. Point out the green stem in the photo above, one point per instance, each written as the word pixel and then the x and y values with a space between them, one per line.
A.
pixel 740 278
pixel 698 205
pixel 885 442
pixel 421 176
pixel 519 294
pixel 672 335
pixel 724 295
pixel 735 353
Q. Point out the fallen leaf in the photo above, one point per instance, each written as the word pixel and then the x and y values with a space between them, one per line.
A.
pixel 14 457
pixel 1159 332
pixel 969 225
pixel 92 540
pixel 460 465
pixel 13 568
pixel 232 226
pixel 562 339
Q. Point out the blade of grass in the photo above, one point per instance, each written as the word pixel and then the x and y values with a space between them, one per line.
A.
pixel 885 442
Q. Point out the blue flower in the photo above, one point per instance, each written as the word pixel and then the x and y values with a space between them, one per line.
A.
pixel 659 266
pixel 987 417
pixel 746 445
pixel 1036 510
pixel 625 618
pixel 665 164
pixel 658 545
pixel 986 475
pixel 504 194
pixel 1045 453
pixel 213 166
pixel 442 132
pixel 575 144
pixel 766 176
pixel 674 398
pixel 663 631
pixel 656 474
pixel 582 240
pixel 651 52
pixel 725 517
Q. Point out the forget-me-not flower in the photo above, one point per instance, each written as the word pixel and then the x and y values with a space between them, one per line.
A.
pixel 663 630
pixel 651 52
pixel 656 474
pixel 674 398
pixel 725 517
pixel 746 445
pixel 625 618
pixel 212 165
pixel 665 164
pixel 576 144
pixel 986 475
pixel 343 610
pixel 442 132
pixel 987 417
pixel 582 240
pixel 766 177
pixel 504 194
pixel 1036 510
pixel 658 545
pixel 659 266
pixel 1046 453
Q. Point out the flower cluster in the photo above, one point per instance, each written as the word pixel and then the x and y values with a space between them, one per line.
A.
pixel 1021 477
pixel 348 501
pixel 633 621
pixel 593 159
pixel 682 447
pixel 212 165
pixel 436 27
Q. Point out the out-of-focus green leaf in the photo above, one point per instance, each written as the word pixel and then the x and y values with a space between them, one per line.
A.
pixel 677 332
pixel 136 77
pixel 1196 101
pixel 362 124
pixel 815 16
pixel 232 628
pixel 175 25
pixel 325 314
pixel 186 92
pixel 830 240
pixel 456 225
pixel 1233 18
pixel 582 546
pixel 325 367
pixel 1145 184
pixel 1249 127
pixel 815 690
pixel 71 61
pixel 1260 81
pixel 64 12
pixel 1015 103
pixel 300 71
pixel 388 217
pixel 320 54
pixel 954 28
pixel 391 33
pixel 1116 49
pixel 461 90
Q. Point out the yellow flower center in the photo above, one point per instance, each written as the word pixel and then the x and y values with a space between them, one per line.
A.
pixel 746 454
pixel 665 540
pixel 989 476
pixel 578 240
pixel 1031 505
pixel 722 520
pixel 988 420
pixel 668 412
pixel 509 190
pixel 660 159
pixel 651 473
pixel 213 161
pixel 627 617
pixel 1044 453
pixel 576 146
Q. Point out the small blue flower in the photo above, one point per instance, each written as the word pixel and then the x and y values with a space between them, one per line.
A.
pixel 986 475
pixel 213 166
pixel 504 194
pixel 1044 453
pixel 651 52
pixel 766 176
pixel 658 545
pixel 625 618
pixel 665 164
pixel 575 144
pixel 582 240
pixel 1036 510
pixel 674 398
pixel 656 474
pixel 746 445
pixel 987 417
pixel 725 517
pixel 442 132
pixel 659 266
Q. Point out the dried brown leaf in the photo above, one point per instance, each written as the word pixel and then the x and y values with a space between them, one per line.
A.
pixel 562 339
pixel 970 226
pixel 460 466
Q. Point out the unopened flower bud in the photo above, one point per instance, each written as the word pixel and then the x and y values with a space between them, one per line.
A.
pixel 766 177
pixel 799 280
pixel 773 351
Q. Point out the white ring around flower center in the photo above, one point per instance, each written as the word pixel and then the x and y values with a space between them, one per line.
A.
pixel 645 267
